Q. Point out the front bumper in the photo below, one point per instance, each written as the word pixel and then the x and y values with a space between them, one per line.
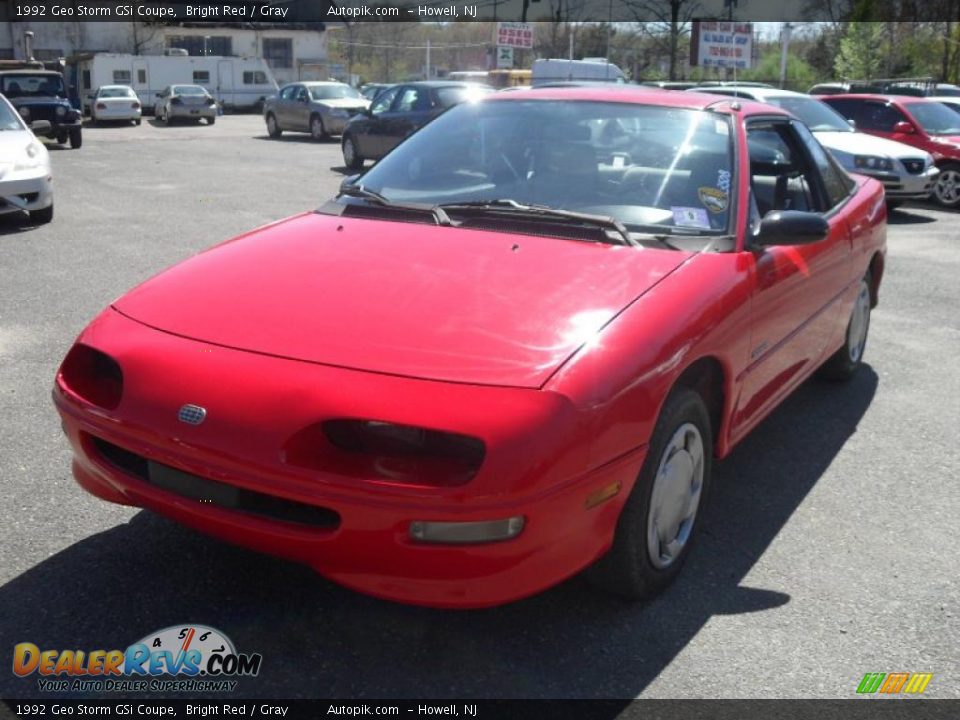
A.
pixel 902 185
pixel 27 190
pixel 59 127
pixel 335 125
pixel 256 402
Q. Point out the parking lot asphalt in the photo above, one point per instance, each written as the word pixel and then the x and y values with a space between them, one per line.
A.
pixel 831 536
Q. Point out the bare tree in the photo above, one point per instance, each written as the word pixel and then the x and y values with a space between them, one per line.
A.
pixel 674 16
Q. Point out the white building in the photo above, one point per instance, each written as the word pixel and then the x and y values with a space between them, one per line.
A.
pixel 294 51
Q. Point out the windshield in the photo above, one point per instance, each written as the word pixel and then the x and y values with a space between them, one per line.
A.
pixel 334 92
pixel 935 118
pixel 816 115
pixel 646 166
pixel 189 90
pixel 115 92
pixel 32 85
pixel 9 118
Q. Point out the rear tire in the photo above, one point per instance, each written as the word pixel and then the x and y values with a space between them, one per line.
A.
pixel 894 204
pixel 137 121
pixel 76 138
pixel 845 362
pixel 659 523
pixel 42 217
pixel 211 120
pixel 273 127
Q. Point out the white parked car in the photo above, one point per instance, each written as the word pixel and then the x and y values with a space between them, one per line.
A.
pixel 115 102
pixel 26 184
pixel 907 173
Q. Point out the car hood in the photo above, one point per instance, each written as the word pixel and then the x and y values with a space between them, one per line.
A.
pixel 857 143
pixel 401 298
pixel 37 100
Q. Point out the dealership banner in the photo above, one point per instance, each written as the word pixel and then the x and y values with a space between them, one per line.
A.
pixel 721 44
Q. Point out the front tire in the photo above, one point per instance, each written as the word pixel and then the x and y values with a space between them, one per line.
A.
pixel 659 522
pixel 845 362
pixel 273 127
pixel 76 138
pixel 211 120
pixel 946 189
pixel 351 155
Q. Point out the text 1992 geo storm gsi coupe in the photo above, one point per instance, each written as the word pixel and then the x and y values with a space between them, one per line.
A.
pixel 508 352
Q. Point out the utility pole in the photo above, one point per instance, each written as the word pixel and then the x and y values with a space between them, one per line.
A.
pixel 784 47
pixel 428 60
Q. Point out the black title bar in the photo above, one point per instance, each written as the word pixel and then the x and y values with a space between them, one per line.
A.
pixel 320 11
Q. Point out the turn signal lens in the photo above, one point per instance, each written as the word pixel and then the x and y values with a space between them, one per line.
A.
pixel 462 533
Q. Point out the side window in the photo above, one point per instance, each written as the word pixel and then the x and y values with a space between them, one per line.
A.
pixel 408 100
pixel 878 116
pixel 780 177
pixel 121 77
pixel 302 94
pixel 141 76
pixel 201 77
pixel 288 92
pixel 254 77
pixel 836 182
pixel 384 100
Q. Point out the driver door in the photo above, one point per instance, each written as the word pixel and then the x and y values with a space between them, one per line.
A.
pixel 798 302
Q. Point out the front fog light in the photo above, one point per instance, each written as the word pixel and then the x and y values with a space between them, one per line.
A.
pixel 456 533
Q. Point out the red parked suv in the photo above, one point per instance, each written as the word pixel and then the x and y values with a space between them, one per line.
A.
pixel 920 122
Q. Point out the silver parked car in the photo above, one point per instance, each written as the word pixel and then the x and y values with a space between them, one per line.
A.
pixel 907 173
pixel 319 108
pixel 185 102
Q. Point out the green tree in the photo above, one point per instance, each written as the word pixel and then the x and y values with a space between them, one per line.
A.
pixel 861 53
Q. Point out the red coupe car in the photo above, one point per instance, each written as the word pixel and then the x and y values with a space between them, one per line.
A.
pixel 508 352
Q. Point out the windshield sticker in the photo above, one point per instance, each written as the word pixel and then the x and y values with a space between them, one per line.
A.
pixel 714 199
pixel 692 217
pixel 723 180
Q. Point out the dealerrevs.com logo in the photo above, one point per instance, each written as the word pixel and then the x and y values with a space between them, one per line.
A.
pixel 181 658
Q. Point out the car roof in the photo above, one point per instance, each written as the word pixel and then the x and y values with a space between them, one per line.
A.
pixel 316 83
pixel 759 92
pixel 639 96
pixel 111 87
pixel 885 97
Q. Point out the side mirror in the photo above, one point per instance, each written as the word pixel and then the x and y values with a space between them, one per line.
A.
pixel 791 227
pixel 852 123
pixel 158 96
pixel 41 126
pixel 348 181
pixel 303 99
pixel 904 128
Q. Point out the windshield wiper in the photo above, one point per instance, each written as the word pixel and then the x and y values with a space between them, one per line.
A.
pixel 508 205
pixel 359 191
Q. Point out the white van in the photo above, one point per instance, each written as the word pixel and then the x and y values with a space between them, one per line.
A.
pixel 594 70
pixel 237 83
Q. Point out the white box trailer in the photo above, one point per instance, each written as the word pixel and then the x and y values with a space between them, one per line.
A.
pixel 559 70
pixel 236 82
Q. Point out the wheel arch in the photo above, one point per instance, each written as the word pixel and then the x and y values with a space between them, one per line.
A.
pixel 706 376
